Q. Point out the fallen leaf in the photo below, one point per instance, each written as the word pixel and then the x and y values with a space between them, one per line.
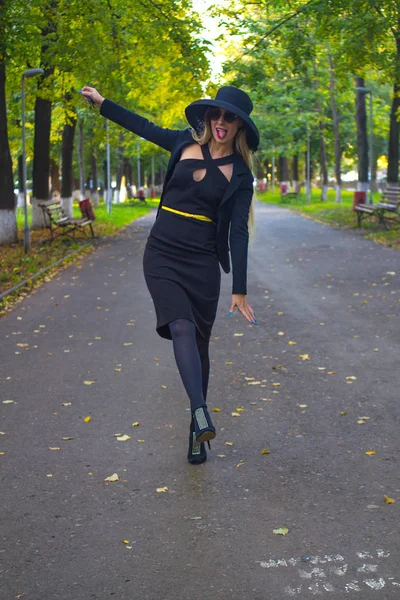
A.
pixel 343 413
pixel 240 464
pixel 249 378
pixel 140 441
pixel 164 387
pixel 67 404
pixel 229 444
pixel 64 439
pixel 125 541
pixel 161 490
pixel 128 344
pixel 238 334
pixel 87 419
pixel 112 478
pixel 389 500
pixel 351 377
pixel 54 448
pixel 281 333
pixel 8 402
pixel 221 455
pixel 254 383
pixel 235 414
pixel 265 451
pixel 229 362
pixel 360 422
pixel 215 409
pixel 136 424
pixel 2 453
pixel 117 370
pixel 89 382
pixel 276 384
pixel 281 531
pixel 302 405
pixel 292 343
pixel 304 356
pixel 123 438
pixel 240 409
pixel 370 452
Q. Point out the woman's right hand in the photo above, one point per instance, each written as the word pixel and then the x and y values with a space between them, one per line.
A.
pixel 89 92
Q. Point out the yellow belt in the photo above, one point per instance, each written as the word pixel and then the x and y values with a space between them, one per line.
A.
pixel 185 214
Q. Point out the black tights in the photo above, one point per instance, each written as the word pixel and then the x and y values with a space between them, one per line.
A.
pixel 191 355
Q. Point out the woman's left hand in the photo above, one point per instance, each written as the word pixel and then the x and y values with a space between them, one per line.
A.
pixel 239 301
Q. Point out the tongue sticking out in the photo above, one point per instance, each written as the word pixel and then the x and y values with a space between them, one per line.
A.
pixel 221 133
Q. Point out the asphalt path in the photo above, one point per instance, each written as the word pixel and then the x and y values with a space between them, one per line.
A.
pixel 315 385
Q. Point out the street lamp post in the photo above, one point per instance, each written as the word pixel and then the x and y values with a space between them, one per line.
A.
pixel 365 90
pixel 28 73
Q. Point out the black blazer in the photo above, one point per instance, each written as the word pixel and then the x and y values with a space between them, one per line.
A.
pixel 233 212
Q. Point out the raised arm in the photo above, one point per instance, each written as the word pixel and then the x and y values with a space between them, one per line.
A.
pixel 165 138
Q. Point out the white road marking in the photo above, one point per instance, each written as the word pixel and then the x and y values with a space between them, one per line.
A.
pixel 375 584
pixel 321 580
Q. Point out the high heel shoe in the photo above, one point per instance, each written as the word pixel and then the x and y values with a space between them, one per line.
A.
pixel 203 427
pixel 197 453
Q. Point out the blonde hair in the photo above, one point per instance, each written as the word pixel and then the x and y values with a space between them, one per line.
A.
pixel 241 147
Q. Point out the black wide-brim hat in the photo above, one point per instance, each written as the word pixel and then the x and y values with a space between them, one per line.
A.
pixel 232 99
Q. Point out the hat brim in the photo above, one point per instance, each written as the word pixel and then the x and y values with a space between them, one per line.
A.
pixel 196 111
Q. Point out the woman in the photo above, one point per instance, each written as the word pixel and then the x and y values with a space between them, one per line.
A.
pixel 206 201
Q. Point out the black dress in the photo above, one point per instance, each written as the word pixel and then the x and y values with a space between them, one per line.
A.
pixel 180 259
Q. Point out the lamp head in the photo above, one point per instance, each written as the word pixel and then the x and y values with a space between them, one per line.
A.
pixel 32 72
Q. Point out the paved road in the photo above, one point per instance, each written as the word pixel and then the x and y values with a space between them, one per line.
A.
pixel 328 304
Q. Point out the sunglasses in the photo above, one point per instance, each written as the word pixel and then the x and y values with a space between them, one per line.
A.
pixel 215 113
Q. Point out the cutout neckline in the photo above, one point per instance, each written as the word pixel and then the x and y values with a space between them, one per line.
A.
pixel 205 149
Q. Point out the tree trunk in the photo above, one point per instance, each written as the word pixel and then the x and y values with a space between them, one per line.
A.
pixel 80 160
pixel 94 185
pixel 335 118
pixel 8 224
pixel 393 151
pixel 21 184
pixel 55 177
pixel 67 150
pixel 295 171
pixel 362 137
pixel 284 176
pixel 41 160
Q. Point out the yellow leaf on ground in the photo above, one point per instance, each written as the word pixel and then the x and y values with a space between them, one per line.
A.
pixel 351 377
pixel 67 404
pixel 343 413
pixel 228 443
pixel 123 438
pixel 235 414
pixel 254 383
pixel 87 419
pixel 292 343
pixel 389 500
pixel 221 455
pixel 112 478
pixel 64 439
pixel 136 424
pixel 276 384
pixel 240 409
pixel 128 344
pixel 229 362
pixel 302 405
pixel 8 402
pixel 164 387
pixel 249 378
pixel 304 356
pixel 240 464
pixel 125 541
pixel 265 451
pixel 281 333
pixel 215 409
pixel 140 441
pixel 238 334
pixel 360 422
pixel 2 453
pixel 54 448
pixel 281 531
pixel 88 382
pixel 117 370
pixel 161 490
pixel 370 452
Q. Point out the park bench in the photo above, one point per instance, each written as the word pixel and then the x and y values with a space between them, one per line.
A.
pixel 389 204
pixel 296 192
pixel 60 223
